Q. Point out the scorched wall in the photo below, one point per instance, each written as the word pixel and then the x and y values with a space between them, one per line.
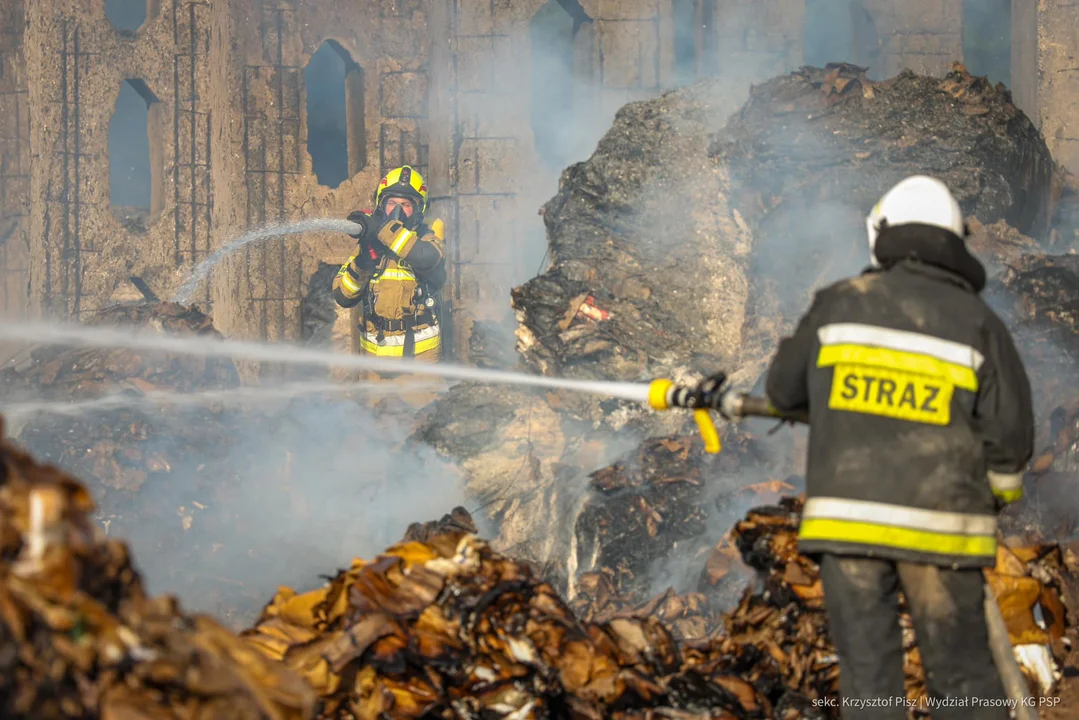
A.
pixel 457 88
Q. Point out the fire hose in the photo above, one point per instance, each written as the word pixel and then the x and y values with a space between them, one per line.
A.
pixel 712 393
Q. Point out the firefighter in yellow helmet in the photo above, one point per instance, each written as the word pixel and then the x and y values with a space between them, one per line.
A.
pixel 397 271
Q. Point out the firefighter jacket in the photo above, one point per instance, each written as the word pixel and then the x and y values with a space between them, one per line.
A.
pixel 919 407
pixel 396 276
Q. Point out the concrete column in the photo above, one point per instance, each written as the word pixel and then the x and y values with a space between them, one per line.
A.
pixel 1058 72
pixel 1024 59
pixel 14 163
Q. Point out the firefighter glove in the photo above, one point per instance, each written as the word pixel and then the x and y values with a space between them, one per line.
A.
pixel 714 393
pixel 360 218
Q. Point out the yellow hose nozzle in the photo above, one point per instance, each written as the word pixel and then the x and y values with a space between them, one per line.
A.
pixel 660 394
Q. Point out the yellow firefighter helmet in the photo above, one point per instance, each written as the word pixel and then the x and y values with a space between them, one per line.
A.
pixel 403 182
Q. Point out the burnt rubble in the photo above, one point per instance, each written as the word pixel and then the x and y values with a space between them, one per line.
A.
pixel 607 588
pixel 689 243
pixel 112 447
pixel 445 626
pixel 813 150
pixel 81 637
pixel 438 625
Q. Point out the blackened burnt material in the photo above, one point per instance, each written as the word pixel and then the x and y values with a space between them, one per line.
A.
pixel 644 255
pixel 820 134
pixel 812 151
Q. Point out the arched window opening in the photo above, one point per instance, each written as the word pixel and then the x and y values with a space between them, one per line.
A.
pixel 336 125
pixel 554 78
pixel 128 16
pixel 987 39
pixel 135 155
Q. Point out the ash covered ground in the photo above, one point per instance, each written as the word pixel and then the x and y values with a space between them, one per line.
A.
pixel 688 242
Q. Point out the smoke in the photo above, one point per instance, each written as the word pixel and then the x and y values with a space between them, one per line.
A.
pixel 256 488
pixel 265 497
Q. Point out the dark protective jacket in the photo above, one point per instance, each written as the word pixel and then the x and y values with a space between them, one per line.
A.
pixel 919 407
pixel 397 274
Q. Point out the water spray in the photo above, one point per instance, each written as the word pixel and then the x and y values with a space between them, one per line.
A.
pixel 202 270
pixel 659 394
pixel 166 398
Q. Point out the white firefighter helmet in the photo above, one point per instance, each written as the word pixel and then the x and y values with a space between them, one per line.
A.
pixel 920 200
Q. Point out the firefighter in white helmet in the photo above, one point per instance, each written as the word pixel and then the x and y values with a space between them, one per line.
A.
pixel 397 271
pixel 921 423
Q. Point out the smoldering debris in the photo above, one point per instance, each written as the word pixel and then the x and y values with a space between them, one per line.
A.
pixel 188 464
pixel 115 451
pixel 813 150
pixel 81 637
pixel 442 625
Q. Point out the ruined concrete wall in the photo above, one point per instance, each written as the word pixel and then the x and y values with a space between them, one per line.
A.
pixel 14 162
pixel 481 148
pixel 925 36
pixel 758 39
pixel 265 47
pixel 632 50
pixel 82 252
pixel 1058 88
pixel 486 173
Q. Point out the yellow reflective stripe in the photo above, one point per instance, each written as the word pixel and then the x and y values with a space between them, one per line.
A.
pixel 348 282
pixel 911 342
pixel 961 377
pixel 1004 481
pixel 898 537
pixel 422 346
pixel 1008 496
pixel 394 274
pixel 879 513
pixel 401 240
pixel 1007 487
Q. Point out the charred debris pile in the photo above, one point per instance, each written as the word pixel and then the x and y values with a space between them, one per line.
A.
pixel 687 243
pixel 121 447
pixel 438 625
pixel 80 638
pixel 680 247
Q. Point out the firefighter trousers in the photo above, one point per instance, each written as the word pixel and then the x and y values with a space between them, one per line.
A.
pixel 947 608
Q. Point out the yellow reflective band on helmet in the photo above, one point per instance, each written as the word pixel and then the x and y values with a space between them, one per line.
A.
pixel 415 183
pixel 958 375
pixel 865 533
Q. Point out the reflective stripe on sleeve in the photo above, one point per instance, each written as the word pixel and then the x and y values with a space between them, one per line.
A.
pixel 349 284
pixel 1007 487
pixel 348 277
pixel 401 240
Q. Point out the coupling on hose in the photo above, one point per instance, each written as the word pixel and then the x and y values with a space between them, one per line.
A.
pixel 664 394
